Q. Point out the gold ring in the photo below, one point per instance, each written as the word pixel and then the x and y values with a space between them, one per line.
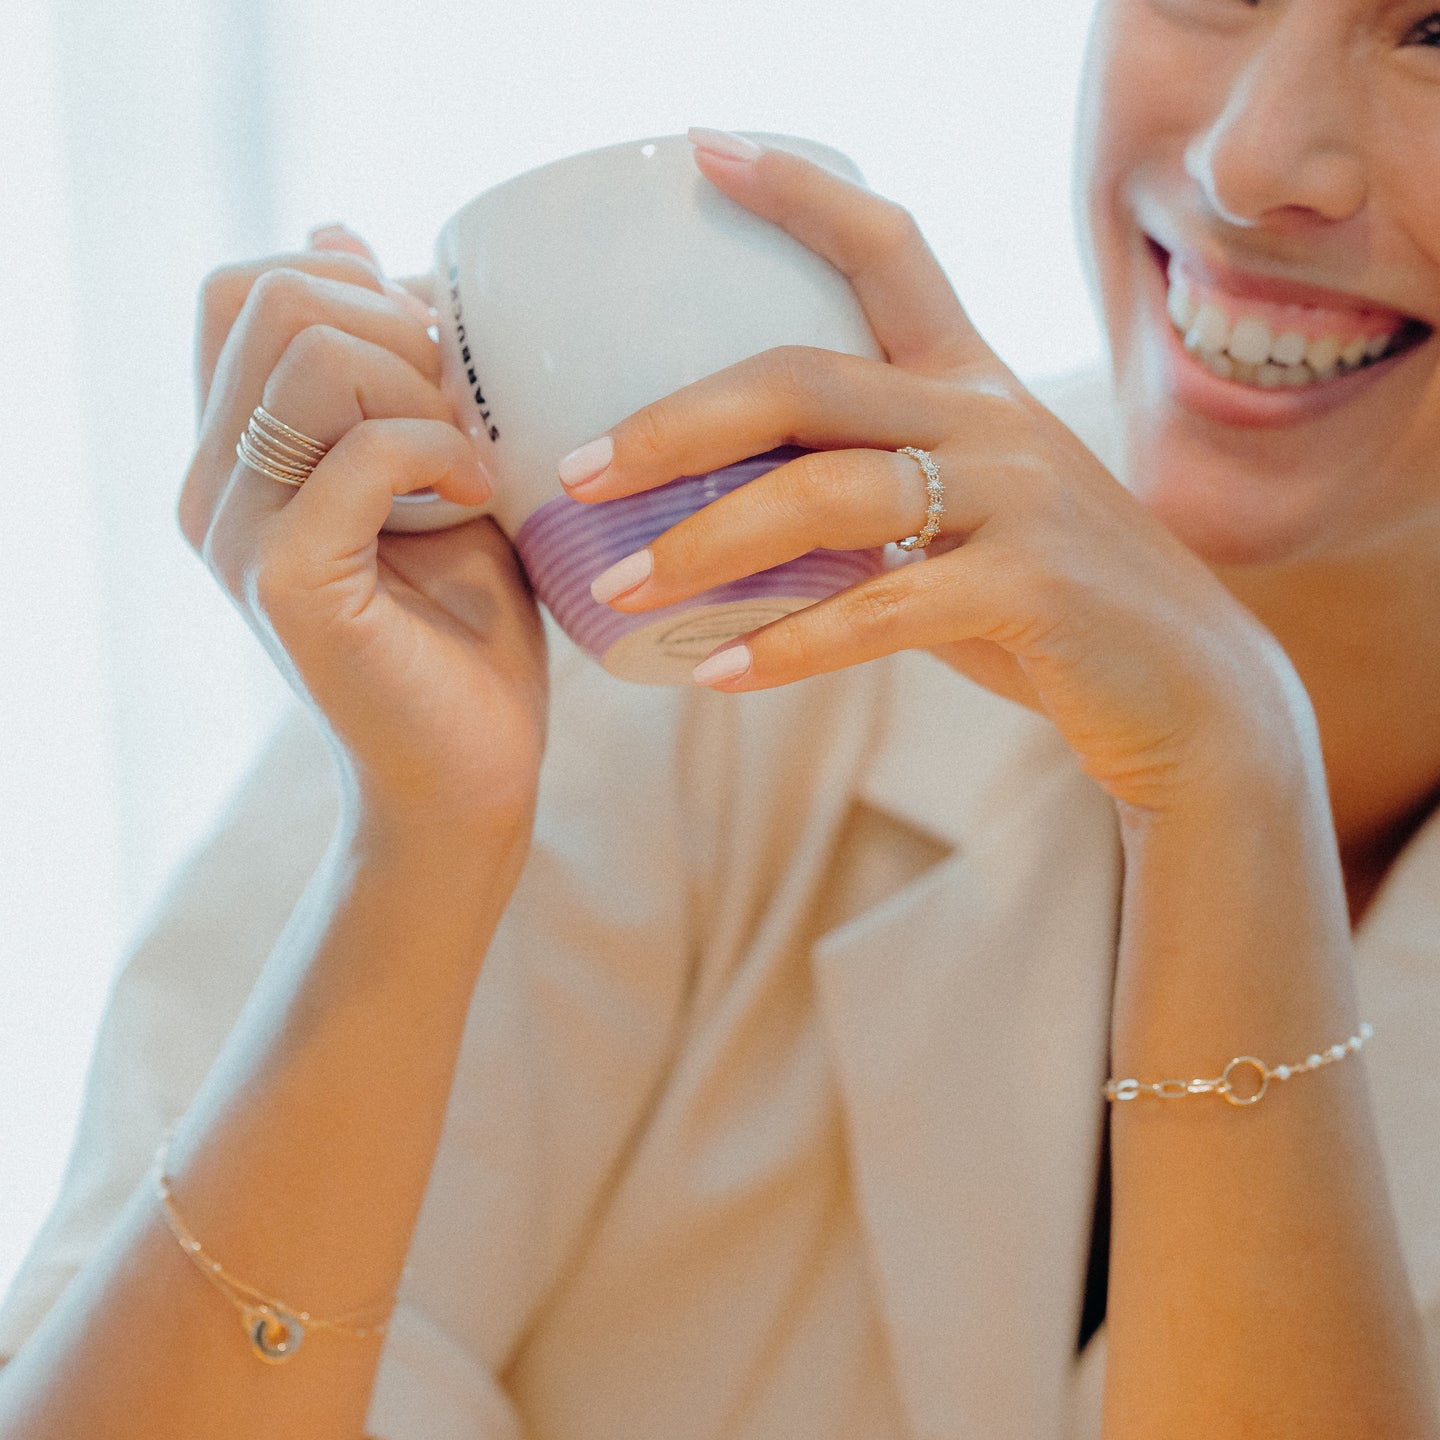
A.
pixel 274 449
pixel 935 506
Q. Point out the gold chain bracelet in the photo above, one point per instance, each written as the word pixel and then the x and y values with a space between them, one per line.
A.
pixel 273 1328
pixel 1222 1084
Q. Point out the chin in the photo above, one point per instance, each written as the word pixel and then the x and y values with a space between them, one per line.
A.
pixel 1225 512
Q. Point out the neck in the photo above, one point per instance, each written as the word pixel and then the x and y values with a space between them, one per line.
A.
pixel 1363 631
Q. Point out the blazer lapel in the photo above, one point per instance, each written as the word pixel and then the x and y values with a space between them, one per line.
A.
pixel 969 1017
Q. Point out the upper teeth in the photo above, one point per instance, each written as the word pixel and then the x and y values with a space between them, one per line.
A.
pixel 1255 352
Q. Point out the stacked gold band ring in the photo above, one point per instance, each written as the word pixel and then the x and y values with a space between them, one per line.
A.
pixel 274 449
pixel 935 506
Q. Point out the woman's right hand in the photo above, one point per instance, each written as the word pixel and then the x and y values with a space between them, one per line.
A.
pixel 422 654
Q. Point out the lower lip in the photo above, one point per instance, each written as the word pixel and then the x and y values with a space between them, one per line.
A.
pixel 1231 402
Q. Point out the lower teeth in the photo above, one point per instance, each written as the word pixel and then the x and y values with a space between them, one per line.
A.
pixel 1269 376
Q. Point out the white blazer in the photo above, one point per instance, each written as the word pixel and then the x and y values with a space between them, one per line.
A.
pixel 778 1109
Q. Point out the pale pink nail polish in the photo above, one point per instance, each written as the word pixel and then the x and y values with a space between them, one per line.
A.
pixel 725 664
pixel 587 463
pixel 724 143
pixel 623 575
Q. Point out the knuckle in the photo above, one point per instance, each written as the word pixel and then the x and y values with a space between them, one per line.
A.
pixel 374 445
pixel 315 347
pixel 648 432
pixel 812 487
pixel 891 229
pixel 266 582
pixel 992 404
pixel 795 370
pixel 875 608
pixel 280 296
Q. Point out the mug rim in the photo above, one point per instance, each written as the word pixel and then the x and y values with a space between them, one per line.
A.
pixel 546 170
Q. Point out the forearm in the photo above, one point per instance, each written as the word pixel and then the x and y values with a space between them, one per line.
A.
pixel 1256 1280
pixel 300 1165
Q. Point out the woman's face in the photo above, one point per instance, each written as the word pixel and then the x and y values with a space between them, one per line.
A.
pixel 1281 159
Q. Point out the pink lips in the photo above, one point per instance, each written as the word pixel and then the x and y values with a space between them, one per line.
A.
pixel 1247 406
pixel 1213 273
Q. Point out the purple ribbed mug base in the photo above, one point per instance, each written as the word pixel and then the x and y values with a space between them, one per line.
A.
pixel 564 545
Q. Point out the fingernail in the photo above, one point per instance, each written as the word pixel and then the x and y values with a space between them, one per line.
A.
pixel 334 231
pixel 487 485
pixel 724 664
pixel 722 142
pixel 623 575
pixel 587 463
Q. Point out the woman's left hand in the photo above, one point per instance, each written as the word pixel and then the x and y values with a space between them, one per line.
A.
pixel 1048 582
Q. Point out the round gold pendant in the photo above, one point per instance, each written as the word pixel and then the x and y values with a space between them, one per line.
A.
pixel 274 1335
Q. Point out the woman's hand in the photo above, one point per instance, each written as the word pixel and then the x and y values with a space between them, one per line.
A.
pixel 1048 583
pixel 422 654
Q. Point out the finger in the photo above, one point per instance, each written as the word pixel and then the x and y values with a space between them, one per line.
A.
pixel 792 395
pixel 964 595
pixel 325 384
pixel 324 533
pixel 338 238
pixel 422 287
pixel 341 237
pixel 224 291
pixel 833 499
pixel 280 305
pixel 872 241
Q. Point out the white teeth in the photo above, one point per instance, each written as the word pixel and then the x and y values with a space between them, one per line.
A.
pixel 1209 330
pixel 1222 365
pixel 1321 355
pixel 1288 349
pixel 1248 350
pixel 1250 340
pixel 1183 306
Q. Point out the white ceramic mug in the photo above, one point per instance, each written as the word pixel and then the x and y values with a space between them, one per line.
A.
pixel 577 293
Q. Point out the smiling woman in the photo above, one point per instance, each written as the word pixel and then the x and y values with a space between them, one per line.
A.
pixel 825 1047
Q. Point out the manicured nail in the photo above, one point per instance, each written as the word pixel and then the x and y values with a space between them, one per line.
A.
pixel 723 143
pixel 724 664
pixel 333 231
pixel 623 575
pixel 587 463
pixel 487 485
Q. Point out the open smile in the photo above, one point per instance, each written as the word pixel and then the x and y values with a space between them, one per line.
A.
pixel 1254 363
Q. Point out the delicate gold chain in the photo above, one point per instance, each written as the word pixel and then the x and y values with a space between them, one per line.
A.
pixel 273 1328
pixel 1222 1085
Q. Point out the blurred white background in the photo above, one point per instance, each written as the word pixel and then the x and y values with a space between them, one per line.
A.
pixel 145 142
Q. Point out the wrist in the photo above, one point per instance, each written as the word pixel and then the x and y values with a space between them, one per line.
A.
pixel 1248 740
pixel 466 859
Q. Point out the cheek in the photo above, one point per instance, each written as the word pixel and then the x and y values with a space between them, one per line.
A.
pixel 1404 155
pixel 1137 107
